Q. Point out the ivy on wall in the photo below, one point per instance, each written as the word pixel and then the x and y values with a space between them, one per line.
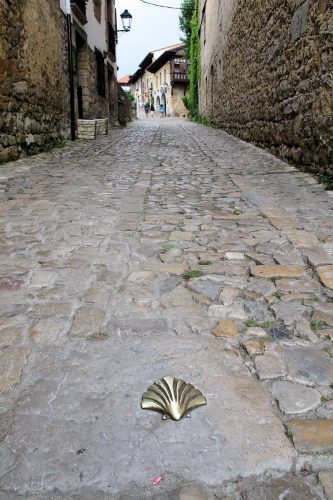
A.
pixel 189 23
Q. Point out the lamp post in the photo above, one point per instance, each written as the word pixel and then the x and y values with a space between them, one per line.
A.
pixel 70 66
pixel 126 20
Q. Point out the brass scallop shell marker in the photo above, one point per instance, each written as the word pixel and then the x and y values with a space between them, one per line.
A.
pixel 172 396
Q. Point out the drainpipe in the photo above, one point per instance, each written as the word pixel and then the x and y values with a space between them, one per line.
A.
pixel 70 66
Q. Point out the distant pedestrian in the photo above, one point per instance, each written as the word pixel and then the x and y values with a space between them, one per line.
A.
pixel 152 109
pixel 147 108
pixel 162 110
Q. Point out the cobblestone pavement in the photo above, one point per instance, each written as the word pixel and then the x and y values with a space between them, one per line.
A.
pixel 166 248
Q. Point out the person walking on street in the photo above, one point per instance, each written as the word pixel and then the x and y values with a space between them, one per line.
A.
pixel 162 110
pixel 152 109
pixel 147 108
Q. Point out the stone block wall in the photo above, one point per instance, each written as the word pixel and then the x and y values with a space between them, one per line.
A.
pixel 124 107
pixel 267 76
pixel 94 105
pixel 34 96
pixel 176 103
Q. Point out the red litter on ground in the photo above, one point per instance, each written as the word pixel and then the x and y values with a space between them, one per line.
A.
pixel 157 480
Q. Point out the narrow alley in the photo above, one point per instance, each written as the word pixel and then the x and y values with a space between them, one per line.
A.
pixel 165 248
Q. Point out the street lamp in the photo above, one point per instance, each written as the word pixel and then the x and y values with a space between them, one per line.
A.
pixel 126 19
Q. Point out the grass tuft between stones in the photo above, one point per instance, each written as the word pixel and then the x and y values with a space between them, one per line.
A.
pixel 327 398
pixel 192 274
pixel 288 433
pixel 97 337
pixel 205 262
pixel 264 324
pixel 167 248
pixel 317 325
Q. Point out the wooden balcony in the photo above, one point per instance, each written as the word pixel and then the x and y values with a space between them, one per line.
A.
pixel 179 77
pixel 79 10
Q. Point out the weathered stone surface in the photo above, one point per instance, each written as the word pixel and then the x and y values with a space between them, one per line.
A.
pixel 96 295
pixel 194 492
pixel 254 347
pixel 234 256
pixel 326 480
pixel 137 326
pixel 257 311
pixel 228 295
pixel 262 287
pixel 303 327
pixel 326 410
pixel 325 274
pixel 12 362
pixel 291 297
pixel 171 268
pixel 257 331
pixel 269 367
pixel 317 256
pixel 302 238
pixel 311 436
pixel 205 287
pixel 42 279
pixel 99 391
pixel 9 336
pixel 295 398
pixel 308 363
pixel 141 277
pixel 225 328
pixel 170 255
pixel 47 330
pixel 326 333
pixel 180 296
pixel 63 309
pixel 97 222
pixel 181 236
pixel 324 313
pixel 227 312
pixel 277 271
pixel 293 488
pixel 279 332
pixel 288 312
pixel 10 284
pixel 88 320
pixel 286 285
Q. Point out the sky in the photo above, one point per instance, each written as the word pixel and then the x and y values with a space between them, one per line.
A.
pixel 152 28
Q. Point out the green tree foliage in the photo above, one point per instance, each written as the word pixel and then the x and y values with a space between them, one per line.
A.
pixel 186 12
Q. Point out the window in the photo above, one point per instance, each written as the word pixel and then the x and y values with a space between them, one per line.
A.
pixel 204 24
pixel 100 73
pixel 98 9
pixel 111 40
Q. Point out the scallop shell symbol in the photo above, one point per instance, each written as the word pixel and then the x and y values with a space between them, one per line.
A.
pixel 173 397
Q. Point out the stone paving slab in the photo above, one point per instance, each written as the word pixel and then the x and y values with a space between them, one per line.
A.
pixel 79 423
pixel 127 255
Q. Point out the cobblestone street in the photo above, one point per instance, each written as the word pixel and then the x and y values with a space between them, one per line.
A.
pixel 165 248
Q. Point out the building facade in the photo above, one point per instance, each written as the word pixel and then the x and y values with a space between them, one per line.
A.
pixel 34 75
pixel 267 75
pixel 162 78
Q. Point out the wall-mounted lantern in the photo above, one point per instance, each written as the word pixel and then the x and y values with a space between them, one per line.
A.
pixel 126 19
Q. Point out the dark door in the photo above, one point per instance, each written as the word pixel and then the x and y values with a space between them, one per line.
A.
pixel 80 101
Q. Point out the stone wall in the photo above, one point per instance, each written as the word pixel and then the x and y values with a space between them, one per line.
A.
pixel 176 103
pixel 267 76
pixel 34 96
pixel 94 105
pixel 124 107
